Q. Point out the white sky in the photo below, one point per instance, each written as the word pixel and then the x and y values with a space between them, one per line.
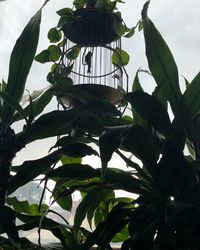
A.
pixel 178 21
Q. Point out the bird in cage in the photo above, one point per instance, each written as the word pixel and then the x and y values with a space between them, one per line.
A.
pixel 88 60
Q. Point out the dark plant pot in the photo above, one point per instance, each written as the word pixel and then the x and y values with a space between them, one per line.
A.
pixel 91 27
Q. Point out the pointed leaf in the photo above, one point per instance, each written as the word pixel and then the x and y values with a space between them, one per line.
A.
pixel 20 62
pixel 150 109
pixel 189 105
pixel 161 61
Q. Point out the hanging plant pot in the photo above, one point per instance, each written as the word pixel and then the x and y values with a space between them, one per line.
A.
pixel 92 27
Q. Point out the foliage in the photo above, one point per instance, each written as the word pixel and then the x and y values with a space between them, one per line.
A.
pixel 165 211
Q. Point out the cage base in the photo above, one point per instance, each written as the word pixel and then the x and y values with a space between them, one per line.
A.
pixel 107 93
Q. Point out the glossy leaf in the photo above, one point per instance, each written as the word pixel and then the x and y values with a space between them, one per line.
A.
pixel 20 62
pixel 37 106
pixel 189 105
pixel 13 104
pixel 161 61
pixel 91 200
pixel 120 57
pixel 139 142
pixel 54 35
pixel 150 109
pixel 137 86
pixel 109 141
pixel 31 169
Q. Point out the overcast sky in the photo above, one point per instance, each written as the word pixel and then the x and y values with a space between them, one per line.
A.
pixel 178 21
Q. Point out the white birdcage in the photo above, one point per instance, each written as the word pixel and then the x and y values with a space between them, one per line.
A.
pixel 97 67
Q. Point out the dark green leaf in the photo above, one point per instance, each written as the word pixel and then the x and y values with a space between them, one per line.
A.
pixel 12 102
pixel 65 12
pixel 54 35
pixel 75 170
pixel 130 32
pixel 43 57
pixel 7 225
pixel 91 200
pixel 20 62
pixel 137 86
pixel 120 57
pixel 109 141
pixel 79 3
pixel 37 106
pixel 161 61
pixel 31 169
pixel 139 142
pixel 150 109
pixel 73 53
pixel 189 104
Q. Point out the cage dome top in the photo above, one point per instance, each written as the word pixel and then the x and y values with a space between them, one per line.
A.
pixel 92 27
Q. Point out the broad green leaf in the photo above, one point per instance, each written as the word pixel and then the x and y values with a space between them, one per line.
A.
pixel 20 62
pixel 79 3
pixel 109 141
pixel 64 20
pixel 105 232
pixel 120 28
pixel 73 171
pixel 51 54
pixel 65 12
pixel 31 169
pixel 13 104
pixel 91 200
pixel 25 207
pixel 37 106
pixel 73 53
pixel 64 202
pixel 150 109
pixel 130 32
pixel 137 86
pixel 161 61
pixel 43 57
pixel 60 122
pixel 139 142
pixel 189 105
pixel 54 35
pixel 120 57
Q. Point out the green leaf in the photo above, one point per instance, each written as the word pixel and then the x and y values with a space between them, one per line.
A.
pixel 73 53
pixel 43 57
pixel 73 171
pixel 120 57
pixel 161 61
pixel 64 202
pixel 7 225
pixel 54 35
pixel 130 32
pixel 37 106
pixel 79 3
pixel 189 104
pixel 139 142
pixel 120 28
pixel 59 122
pixel 65 12
pixel 109 141
pixel 91 201
pixel 137 86
pixel 20 62
pixel 140 26
pixel 12 102
pixel 31 169
pixel 64 20
pixel 150 109
pixel 51 54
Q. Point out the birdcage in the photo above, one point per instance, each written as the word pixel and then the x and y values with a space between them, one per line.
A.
pixel 93 50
